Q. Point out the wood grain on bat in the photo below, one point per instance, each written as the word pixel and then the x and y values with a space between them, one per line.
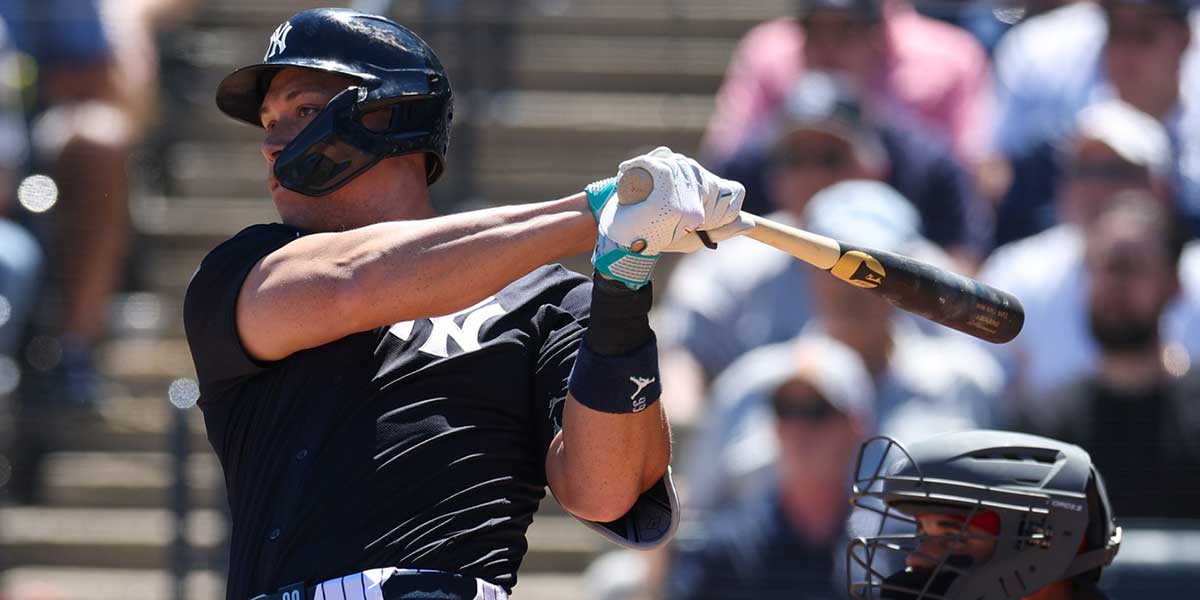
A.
pixel 817 250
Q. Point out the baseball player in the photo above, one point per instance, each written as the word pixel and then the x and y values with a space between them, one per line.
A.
pixel 389 391
pixel 987 515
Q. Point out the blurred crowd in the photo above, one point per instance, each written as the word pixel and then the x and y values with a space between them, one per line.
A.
pixel 1049 148
pixel 1057 158
pixel 78 94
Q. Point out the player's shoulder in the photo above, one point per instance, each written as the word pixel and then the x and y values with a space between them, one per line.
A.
pixel 229 261
pixel 254 237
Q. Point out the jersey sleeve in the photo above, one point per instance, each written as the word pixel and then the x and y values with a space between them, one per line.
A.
pixel 210 307
pixel 562 326
pixel 654 517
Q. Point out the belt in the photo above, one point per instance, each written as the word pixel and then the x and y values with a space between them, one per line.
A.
pixel 392 584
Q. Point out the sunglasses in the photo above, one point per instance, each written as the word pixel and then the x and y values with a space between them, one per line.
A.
pixel 1111 171
pixel 811 409
pixel 827 159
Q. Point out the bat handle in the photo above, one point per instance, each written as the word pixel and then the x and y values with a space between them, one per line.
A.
pixel 634 186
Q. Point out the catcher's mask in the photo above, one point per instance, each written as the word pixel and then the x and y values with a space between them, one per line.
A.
pixel 1025 511
pixel 392 69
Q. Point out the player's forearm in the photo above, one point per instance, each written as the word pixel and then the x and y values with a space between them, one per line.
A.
pixel 437 266
pixel 601 462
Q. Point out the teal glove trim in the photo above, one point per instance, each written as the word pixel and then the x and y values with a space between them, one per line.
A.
pixel 622 264
pixel 598 194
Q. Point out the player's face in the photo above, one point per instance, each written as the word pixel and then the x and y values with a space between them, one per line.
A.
pixel 977 543
pixel 292 101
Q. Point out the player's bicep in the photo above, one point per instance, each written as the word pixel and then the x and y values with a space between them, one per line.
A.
pixel 291 301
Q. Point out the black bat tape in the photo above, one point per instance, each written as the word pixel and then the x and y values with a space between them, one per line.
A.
pixel 939 295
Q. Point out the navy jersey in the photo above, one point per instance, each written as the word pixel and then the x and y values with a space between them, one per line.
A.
pixel 419 445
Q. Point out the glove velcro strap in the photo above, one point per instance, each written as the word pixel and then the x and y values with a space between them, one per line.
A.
pixel 598 193
pixel 621 264
pixel 621 384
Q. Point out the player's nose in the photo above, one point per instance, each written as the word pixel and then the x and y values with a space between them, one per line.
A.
pixel 271 147
pixel 276 140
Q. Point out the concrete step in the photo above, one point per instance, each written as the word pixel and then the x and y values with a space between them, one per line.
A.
pixel 552 60
pixel 72 583
pixel 129 479
pixel 122 424
pixel 103 538
pixel 141 539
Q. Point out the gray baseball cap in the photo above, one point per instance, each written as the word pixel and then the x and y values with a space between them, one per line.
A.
pixel 830 104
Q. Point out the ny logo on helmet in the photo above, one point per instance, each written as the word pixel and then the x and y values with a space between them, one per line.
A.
pixel 278 40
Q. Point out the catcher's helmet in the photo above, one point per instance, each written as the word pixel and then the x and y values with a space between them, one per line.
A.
pixel 392 69
pixel 1041 502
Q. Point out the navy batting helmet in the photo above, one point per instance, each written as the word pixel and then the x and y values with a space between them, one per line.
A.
pixel 1011 513
pixel 392 69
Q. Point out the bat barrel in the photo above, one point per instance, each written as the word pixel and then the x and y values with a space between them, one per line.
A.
pixel 937 294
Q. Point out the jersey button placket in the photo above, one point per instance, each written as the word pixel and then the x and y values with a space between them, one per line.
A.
pixel 274 535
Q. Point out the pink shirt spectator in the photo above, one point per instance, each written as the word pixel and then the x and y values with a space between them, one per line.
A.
pixel 935 73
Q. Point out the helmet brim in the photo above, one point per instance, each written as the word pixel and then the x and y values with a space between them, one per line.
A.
pixel 240 94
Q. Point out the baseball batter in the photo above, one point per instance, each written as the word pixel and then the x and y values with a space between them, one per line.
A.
pixel 390 391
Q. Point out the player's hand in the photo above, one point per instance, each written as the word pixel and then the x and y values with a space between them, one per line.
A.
pixel 685 198
pixel 722 202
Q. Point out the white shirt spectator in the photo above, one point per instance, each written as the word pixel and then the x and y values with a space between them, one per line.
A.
pixel 1049 67
pixel 1046 272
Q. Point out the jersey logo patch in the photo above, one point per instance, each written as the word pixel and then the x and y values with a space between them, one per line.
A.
pixel 446 328
pixel 278 40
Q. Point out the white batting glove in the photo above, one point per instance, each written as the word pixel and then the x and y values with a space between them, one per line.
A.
pixel 722 201
pixel 685 198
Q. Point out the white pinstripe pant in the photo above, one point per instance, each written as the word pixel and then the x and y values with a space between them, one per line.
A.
pixel 368 585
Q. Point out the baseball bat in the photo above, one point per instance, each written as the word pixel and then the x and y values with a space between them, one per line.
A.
pixel 937 294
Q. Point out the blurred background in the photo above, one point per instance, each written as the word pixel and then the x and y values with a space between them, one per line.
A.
pixel 1051 148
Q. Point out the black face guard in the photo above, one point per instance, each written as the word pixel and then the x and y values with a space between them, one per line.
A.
pixel 336 147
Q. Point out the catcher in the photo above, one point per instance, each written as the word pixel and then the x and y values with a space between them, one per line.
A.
pixel 980 515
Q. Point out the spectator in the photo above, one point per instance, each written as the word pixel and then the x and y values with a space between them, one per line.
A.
pixel 923 382
pixel 1115 148
pixel 780 539
pixel 96 68
pixel 1137 414
pixel 1051 66
pixel 20 254
pixel 96 76
pixel 913 69
pixel 988 21
pixel 824 134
